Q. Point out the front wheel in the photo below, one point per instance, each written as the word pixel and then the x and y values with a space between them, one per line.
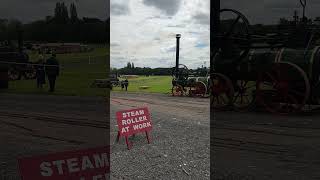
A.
pixel 244 96
pixel 14 74
pixel 30 73
pixel 177 90
pixel 221 91
pixel 199 89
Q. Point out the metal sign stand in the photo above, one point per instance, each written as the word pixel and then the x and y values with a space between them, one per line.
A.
pixel 129 145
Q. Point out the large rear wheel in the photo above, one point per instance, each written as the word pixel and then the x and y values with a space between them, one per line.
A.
pixel 283 89
pixel 199 89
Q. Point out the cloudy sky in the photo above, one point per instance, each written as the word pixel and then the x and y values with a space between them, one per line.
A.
pixel 269 11
pixel 29 10
pixel 143 32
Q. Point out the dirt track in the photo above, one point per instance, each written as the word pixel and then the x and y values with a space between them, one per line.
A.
pixel 181 145
pixel 248 145
pixel 264 146
pixel 32 125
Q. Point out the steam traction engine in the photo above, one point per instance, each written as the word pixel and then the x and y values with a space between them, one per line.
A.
pixel 14 63
pixel 280 72
pixel 185 85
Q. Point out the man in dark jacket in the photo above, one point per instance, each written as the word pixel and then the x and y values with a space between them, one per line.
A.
pixel 52 71
pixel 126 84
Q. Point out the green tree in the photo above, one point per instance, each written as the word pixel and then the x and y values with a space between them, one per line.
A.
pixel 65 14
pixel 73 13
pixel 129 65
pixel 61 13
pixel 57 12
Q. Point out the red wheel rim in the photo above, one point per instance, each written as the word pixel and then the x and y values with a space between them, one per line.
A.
pixel 200 89
pixel 221 91
pixel 177 90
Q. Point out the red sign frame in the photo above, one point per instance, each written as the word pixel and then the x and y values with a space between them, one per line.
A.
pixel 133 121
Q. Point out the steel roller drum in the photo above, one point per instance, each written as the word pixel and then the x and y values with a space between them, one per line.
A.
pixel 309 60
pixel 197 79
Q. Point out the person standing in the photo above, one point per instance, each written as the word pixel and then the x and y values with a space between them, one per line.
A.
pixel 52 70
pixel 126 84
pixel 122 85
pixel 40 72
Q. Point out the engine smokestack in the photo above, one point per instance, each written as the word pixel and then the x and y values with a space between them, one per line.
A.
pixel 178 36
pixel 20 39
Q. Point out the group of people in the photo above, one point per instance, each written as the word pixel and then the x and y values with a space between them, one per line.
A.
pixel 49 68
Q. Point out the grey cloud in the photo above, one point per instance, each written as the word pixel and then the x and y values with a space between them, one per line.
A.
pixel 153 17
pixel 168 49
pixel 202 18
pixel 177 26
pixel 114 44
pixel 269 11
pixel 170 7
pixel 119 8
pixel 282 4
pixel 193 32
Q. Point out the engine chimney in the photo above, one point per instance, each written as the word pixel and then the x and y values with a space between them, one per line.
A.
pixel 214 28
pixel 20 40
pixel 178 36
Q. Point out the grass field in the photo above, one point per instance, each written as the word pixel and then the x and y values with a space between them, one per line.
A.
pixel 156 84
pixel 77 73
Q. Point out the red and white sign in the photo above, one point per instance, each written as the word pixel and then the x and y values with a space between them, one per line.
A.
pixel 131 122
pixel 90 164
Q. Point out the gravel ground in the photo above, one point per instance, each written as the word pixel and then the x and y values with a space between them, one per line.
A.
pixel 249 145
pixel 32 125
pixel 180 147
pixel 262 146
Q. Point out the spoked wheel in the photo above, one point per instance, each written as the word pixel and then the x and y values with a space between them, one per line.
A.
pixel 284 89
pixel 30 73
pixel 183 72
pixel 199 89
pixel 234 39
pixel 244 96
pixel 177 90
pixel 222 91
pixel 14 74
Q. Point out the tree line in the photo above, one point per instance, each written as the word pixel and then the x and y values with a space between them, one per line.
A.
pixel 130 69
pixel 63 26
